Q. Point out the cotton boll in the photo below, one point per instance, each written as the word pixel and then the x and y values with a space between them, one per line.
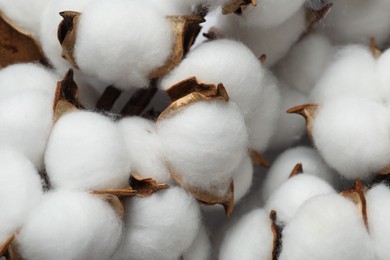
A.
pixel 204 143
pixel 200 248
pixel 281 168
pixel 250 238
pixel 242 178
pixel 86 151
pixel 21 77
pixel 26 123
pixel 306 62
pixel 327 227
pixel 287 199
pixel 144 148
pixel 290 128
pixel 357 129
pixel 20 191
pixel 162 226
pixel 70 225
pixel 352 74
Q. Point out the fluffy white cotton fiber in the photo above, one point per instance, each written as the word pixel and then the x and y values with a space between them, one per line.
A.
pixel 20 191
pixel 242 178
pixel 86 151
pixel 162 226
pixel 383 76
pixel 352 135
pixel 205 142
pixel 327 227
pixel 200 248
pixel 228 62
pixel 70 225
pixel 130 54
pixel 251 238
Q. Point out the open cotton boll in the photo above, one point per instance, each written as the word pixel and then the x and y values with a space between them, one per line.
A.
pixel 70 225
pixel 205 142
pixel 21 77
pixel 161 226
pixel 250 238
pixel 293 193
pixel 290 128
pixel 274 42
pixel 306 62
pixel 144 148
pixel 130 54
pixel 26 123
pixel 200 248
pixel 378 213
pixel 242 178
pixel 86 151
pixel 352 135
pixel 20 191
pixel 281 168
pixel 352 74
pixel 223 61
pixel 327 227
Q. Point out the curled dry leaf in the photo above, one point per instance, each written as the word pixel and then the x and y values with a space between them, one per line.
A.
pixel 277 230
pixel 296 170
pixel 357 196
pixel 309 112
pixel 313 17
pixel 66 34
pixel 236 6
pixel 17 46
pixel 376 53
pixel 66 96
pixel 257 159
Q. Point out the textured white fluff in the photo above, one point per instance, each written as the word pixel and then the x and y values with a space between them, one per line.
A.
pixel 281 168
pixel 290 128
pixel 205 142
pixel 263 121
pixel 70 225
pixel 21 77
pixel 353 73
pixel 144 148
pixel 327 227
pixel 242 178
pixel 293 193
pixel 130 54
pixel 306 62
pixel 200 248
pixel 352 135
pixel 355 21
pixel 26 123
pixel 378 212
pixel 86 151
pixel 24 13
pixel 20 191
pixel 162 226
pixel 250 238
pixel 226 61
pixel 274 42
pixel 382 66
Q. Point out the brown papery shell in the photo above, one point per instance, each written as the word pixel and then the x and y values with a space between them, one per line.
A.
pixel 236 5
pixel 309 112
pixel 66 34
pixel 296 170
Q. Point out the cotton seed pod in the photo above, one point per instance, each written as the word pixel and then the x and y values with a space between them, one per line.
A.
pixel 162 226
pixel 250 238
pixel 327 227
pixel 228 62
pixel 80 157
pixel 144 148
pixel 200 248
pixel 293 193
pixel 20 191
pixel 70 225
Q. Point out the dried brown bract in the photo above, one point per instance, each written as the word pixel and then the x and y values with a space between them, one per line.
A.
pixel 313 16
pixel 376 53
pixel 257 159
pixel 296 170
pixel 66 34
pixel 277 232
pixel 237 5
pixel 309 112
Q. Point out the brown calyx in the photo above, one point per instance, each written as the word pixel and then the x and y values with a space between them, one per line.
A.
pixel 258 159
pixel 309 112
pixel 237 6
pixel 313 17
pixel 66 34
pixel 277 230
pixel 376 53
pixel 296 170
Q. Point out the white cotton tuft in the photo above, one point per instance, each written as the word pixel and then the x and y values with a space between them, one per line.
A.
pixel 200 248
pixel 15 79
pixel 86 151
pixel 20 191
pixel 242 178
pixel 26 123
pixel 144 148
pixel 161 226
pixel 205 142
pixel 378 213
pixel 352 135
pixel 250 238
pixel 70 225
pixel 383 76
pixel 352 74
pixel 327 227
pixel 130 54
pixel 292 194
pixel 306 62
pixel 224 61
